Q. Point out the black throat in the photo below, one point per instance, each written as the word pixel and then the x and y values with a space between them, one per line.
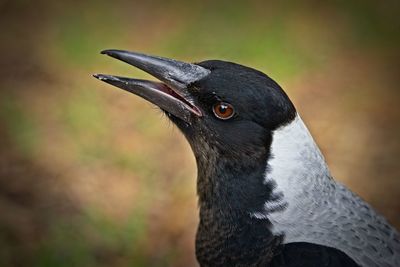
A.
pixel 230 188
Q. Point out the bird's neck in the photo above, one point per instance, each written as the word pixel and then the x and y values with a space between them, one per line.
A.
pixel 229 192
pixel 233 189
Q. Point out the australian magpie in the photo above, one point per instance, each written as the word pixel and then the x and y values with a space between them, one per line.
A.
pixel 266 196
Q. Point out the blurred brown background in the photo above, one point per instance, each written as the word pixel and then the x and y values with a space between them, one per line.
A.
pixel 93 176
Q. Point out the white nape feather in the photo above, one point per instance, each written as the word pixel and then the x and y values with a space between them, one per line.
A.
pixel 320 210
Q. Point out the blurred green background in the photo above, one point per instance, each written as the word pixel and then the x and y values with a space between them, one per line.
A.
pixel 93 176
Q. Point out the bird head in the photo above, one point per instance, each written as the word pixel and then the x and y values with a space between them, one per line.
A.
pixel 221 107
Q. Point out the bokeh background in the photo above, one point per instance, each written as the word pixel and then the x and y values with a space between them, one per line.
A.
pixel 93 176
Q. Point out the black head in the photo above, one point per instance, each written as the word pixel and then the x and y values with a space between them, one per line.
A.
pixel 240 106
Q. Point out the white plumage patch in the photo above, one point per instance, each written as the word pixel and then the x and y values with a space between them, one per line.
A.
pixel 318 209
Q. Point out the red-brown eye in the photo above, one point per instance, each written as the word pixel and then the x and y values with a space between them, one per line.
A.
pixel 223 110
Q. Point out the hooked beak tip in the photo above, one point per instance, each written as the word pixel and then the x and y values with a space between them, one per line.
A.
pixel 112 53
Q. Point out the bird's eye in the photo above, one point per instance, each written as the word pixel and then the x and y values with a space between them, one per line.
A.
pixel 223 110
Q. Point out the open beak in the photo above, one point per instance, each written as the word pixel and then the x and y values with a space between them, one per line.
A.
pixel 171 94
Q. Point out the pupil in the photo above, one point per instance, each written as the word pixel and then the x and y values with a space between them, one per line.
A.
pixel 222 108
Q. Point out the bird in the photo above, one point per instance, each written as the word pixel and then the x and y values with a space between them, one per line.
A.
pixel 266 196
